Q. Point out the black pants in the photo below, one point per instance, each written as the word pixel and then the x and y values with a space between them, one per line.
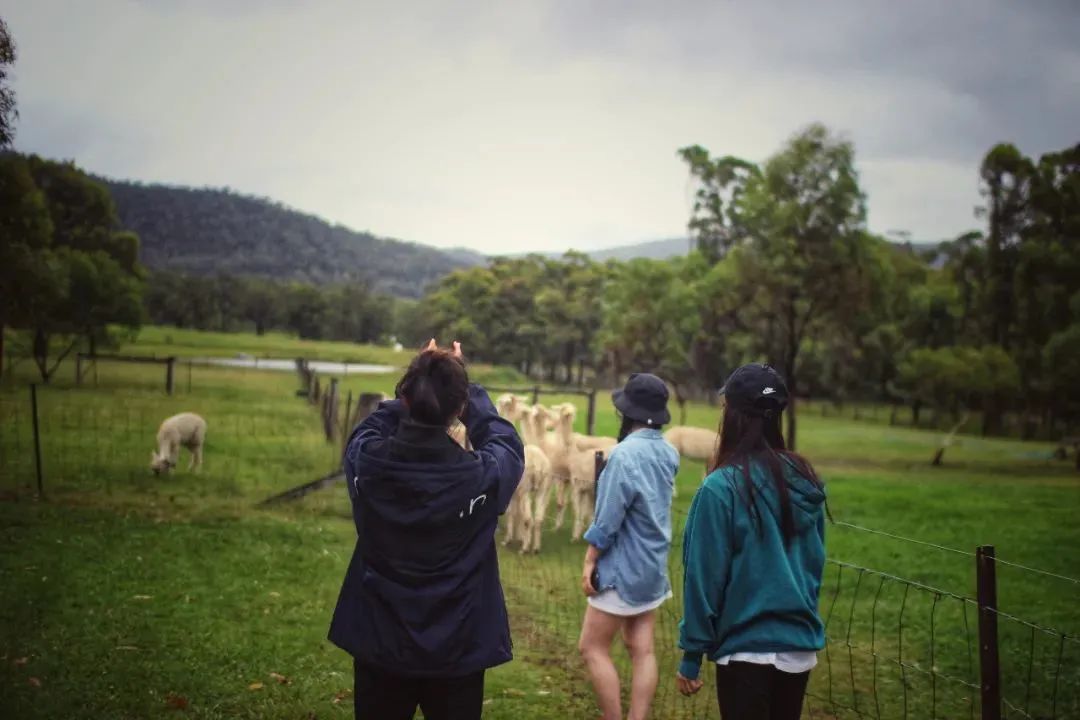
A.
pixel 380 695
pixel 747 691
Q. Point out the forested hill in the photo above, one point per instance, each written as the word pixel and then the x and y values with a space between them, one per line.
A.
pixel 209 231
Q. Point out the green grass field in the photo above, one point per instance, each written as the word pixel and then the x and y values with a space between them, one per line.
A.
pixel 126 595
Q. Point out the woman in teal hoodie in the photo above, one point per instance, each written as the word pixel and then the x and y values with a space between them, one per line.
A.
pixel 753 555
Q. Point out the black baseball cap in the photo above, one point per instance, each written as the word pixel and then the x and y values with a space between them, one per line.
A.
pixel 756 388
pixel 644 399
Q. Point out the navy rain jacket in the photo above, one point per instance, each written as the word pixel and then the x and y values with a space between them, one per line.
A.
pixel 422 595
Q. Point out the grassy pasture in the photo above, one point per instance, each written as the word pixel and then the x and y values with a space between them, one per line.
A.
pixel 126 595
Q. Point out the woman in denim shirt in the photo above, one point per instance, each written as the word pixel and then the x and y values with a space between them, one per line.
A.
pixel 625 573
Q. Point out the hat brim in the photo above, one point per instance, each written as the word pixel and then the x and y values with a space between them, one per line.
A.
pixel 650 417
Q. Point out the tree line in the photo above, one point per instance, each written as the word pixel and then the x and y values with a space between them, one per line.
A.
pixel 227 303
pixel 786 271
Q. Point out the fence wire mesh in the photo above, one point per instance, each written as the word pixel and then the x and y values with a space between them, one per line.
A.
pixel 896 647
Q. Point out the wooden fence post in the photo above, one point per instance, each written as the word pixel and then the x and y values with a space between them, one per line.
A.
pixel 989 665
pixel 330 408
pixel 170 369
pixel 37 440
pixel 536 394
pixel 78 369
pixel 345 420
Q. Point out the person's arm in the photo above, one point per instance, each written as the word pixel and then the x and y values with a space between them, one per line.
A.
pixel 706 562
pixel 379 425
pixel 614 494
pixel 496 441
pixel 592 554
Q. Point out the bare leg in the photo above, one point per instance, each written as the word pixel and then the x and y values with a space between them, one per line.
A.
pixel 638 636
pixel 198 457
pixel 597 632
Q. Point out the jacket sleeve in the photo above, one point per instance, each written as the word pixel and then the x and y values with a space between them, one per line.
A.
pixel 379 425
pixel 706 564
pixel 614 494
pixel 497 443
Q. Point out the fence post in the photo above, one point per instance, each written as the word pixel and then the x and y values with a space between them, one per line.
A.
pixel 989 665
pixel 170 374
pixel 536 395
pixel 591 419
pixel 78 369
pixel 600 463
pixel 345 421
pixel 330 407
pixel 37 440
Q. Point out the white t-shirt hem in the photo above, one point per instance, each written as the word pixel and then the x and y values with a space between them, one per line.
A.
pixel 797 661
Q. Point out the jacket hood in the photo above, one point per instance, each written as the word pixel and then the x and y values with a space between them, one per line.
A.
pixel 807 498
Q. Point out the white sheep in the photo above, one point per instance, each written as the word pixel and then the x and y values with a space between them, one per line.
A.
pixel 528 508
pixel 692 442
pixel 582 464
pixel 187 430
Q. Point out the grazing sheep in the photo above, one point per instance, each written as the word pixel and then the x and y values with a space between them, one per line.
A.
pixel 187 430
pixel 692 442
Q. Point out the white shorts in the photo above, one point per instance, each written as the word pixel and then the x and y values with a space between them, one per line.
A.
pixel 610 602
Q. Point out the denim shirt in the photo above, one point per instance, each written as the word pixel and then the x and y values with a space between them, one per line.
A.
pixel 632 526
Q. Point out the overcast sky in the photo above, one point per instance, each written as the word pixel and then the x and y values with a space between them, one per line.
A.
pixel 540 125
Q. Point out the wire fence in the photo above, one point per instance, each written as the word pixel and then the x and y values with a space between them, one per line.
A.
pixel 896 647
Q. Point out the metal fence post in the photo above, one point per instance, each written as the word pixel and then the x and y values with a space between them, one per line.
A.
pixel 591 421
pixel 989 665
pixel 37 440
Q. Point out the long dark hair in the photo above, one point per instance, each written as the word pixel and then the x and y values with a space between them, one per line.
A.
pixel 748 437
pixel 435 387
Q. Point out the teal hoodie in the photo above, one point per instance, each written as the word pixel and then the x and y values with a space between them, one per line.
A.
pixel 743 591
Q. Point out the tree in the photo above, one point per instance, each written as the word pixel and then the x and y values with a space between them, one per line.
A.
pixel 261 304
pixel 798 244
pixel 716 225
pixel 25 236
pixel 8 113
pixel 307 310
pixel 85 273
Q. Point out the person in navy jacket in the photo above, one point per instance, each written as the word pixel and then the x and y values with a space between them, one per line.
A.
pixel 421 609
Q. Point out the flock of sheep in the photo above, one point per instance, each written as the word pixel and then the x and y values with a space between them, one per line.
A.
pixel 556 458
pixel 559 459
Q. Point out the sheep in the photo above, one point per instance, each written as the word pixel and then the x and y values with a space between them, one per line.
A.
pixel 692 442
pixel 512 407
pixel 187 430
pixel 528 508
pixel 558 446
pixel 582 467
pixel 459 434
